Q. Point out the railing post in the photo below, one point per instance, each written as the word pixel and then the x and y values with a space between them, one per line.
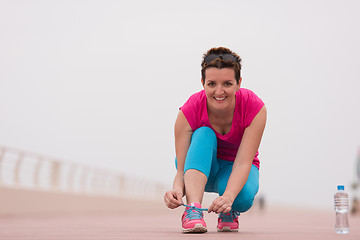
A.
pixel 55 174
pixel 37 172
pixel 84 174
pixel 17 169
pixel 70 178
pixel 101 182
pixel 94 182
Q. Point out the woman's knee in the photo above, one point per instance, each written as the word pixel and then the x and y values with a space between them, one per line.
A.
pixel 242 205
pixel 204 133
pixel 245 199
pixel 202 151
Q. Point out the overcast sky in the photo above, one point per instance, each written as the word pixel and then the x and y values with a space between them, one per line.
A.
pixel 100 83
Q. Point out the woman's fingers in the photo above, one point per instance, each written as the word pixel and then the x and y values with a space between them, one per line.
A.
pixel 179 196
pixel 167 199
pixel 173 199
pixel 220 205
pixel 216 204
pixel 228 209
pixel 170 199
pixel 224 209
pixel 176 198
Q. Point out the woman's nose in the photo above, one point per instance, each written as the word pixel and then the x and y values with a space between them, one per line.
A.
pixel 219 90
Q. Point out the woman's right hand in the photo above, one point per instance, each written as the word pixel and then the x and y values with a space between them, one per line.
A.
pixel 173 198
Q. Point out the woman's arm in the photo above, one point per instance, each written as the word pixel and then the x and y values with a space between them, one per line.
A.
pixel 242 164
pixel 183 133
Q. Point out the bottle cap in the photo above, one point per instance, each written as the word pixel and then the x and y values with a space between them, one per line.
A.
pixel 340 187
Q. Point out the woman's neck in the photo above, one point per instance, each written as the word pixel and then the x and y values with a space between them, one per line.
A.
pixel 226 113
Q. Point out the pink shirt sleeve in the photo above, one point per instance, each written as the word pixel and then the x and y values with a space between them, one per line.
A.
pixel 192 109
pixel 251 105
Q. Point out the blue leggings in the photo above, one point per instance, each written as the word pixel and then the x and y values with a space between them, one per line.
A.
pixel 202 157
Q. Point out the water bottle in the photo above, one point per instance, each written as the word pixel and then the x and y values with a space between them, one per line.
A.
pixel 342 210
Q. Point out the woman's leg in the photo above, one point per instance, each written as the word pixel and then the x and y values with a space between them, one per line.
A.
pixel 201 164
pixel 245 198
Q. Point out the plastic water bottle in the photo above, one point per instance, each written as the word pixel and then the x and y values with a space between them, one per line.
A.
pixel 341 201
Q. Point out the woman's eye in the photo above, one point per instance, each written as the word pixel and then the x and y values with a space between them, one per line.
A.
pixel 211 84
pixel 228 84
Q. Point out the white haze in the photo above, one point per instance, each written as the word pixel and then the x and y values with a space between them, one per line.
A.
pixel 100 83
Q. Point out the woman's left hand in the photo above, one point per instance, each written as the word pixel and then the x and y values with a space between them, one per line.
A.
pixel 221 204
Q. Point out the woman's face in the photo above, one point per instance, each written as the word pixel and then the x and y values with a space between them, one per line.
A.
pixel 220 87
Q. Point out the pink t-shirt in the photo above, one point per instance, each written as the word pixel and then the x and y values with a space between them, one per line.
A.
pixel 246 107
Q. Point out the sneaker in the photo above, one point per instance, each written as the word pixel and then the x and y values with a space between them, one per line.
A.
pixel 228 222
pixel 192 219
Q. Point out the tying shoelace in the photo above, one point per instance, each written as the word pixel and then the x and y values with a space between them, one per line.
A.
pixel 229 217
pixel 194 212
pixel 193 207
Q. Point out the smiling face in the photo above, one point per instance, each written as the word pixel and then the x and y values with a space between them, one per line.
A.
pixel 220 87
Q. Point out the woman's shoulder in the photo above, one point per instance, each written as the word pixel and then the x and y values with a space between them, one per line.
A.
pixel 199 94
pixel 194 100
pixel 247 98
pixel 249 104
pixel 193 109
pixel 197 97
pixel 245 92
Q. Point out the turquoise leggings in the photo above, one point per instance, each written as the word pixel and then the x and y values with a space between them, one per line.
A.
pixel 202 157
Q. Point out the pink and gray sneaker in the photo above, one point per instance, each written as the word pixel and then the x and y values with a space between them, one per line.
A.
pixel 193 219
pixel 228 222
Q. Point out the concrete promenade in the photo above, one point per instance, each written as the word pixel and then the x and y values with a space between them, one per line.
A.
pixel 161 223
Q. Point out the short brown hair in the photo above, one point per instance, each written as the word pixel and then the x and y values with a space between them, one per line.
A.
pixel 221 63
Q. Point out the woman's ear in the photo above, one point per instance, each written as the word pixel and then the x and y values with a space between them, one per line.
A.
pixel 240 81
pixel 239 84
pixel 202 82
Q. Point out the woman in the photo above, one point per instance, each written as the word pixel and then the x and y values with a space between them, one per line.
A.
pixel 217 135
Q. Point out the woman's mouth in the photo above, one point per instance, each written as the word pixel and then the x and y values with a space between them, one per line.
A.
pixel 219 99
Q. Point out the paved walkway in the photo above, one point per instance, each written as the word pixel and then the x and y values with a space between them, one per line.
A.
pixel 165 224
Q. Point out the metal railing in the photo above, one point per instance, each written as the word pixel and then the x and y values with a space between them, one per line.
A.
pixel 24 169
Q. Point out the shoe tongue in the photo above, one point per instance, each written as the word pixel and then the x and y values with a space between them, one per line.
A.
pixel 195 204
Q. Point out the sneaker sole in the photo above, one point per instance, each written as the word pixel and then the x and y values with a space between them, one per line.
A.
pixel 227 229
pixel 198 228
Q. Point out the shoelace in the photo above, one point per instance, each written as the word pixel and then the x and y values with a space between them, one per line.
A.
pixel 228 217
pixel 194 212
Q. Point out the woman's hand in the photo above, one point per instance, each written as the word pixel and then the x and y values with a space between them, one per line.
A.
pixel 221 204
pixel 173 198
